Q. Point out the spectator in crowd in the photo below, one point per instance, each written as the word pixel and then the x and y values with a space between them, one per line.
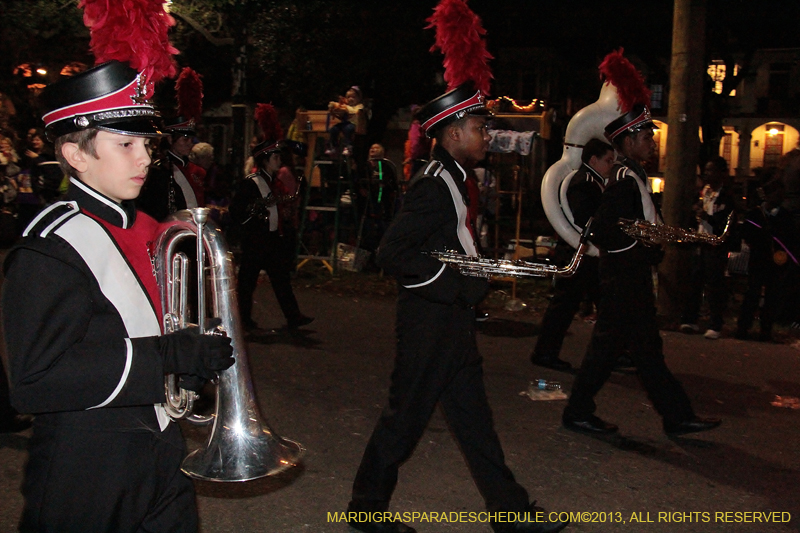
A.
pixel 713 212
pixel 769 231
pixel 343 132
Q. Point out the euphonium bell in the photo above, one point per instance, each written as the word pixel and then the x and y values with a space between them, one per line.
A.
pixel 241 445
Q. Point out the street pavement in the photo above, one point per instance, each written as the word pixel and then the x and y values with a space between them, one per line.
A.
pixel 325 386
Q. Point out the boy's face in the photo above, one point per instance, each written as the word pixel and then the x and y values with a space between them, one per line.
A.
pixel 474 139
pixel 352 98
pixel 120 168
pixel 182 145
pixel 603 164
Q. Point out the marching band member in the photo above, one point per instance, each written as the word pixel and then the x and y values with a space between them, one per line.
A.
pixel 437 356
pixel 267 234
pixel 174 182
pixel 583 196
pixel 626 315
pixel 82 321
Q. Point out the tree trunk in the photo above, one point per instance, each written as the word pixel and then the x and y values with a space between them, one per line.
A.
pixel 683 145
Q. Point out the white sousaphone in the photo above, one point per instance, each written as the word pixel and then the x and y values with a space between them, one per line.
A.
pixel 588 123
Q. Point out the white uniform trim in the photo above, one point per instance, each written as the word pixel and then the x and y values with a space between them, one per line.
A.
pixel 73 210
pixel 426 282
pixel 648 208
pixel 186 188
pixel 264 189
pixel 464 235
pixel 124 378
pixel 119 284
pixel 110 203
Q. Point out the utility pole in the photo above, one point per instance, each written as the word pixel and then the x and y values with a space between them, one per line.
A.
pixel 683 146
pixel 239 96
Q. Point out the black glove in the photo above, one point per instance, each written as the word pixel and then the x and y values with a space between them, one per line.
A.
pixel 191 382
pixel 473 290
pixel 188 352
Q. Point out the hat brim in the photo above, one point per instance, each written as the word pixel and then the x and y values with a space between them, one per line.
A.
pixel 140 127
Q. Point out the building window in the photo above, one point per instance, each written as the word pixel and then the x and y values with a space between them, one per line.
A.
pixel 717 71
pixel 656 96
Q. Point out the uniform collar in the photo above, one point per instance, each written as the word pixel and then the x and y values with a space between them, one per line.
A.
pixel 121 215
pixel 633 165
pixel 450 164
pixel 593 173
pixel 175 158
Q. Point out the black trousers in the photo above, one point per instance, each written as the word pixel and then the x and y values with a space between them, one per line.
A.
pixel 626 318
pixel 567 297
pixel 437 362
pixel 273 253
pixel 707 274
pixel 774 281
pixel 84 481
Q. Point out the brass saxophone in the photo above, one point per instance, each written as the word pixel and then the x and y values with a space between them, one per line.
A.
pixel 657 234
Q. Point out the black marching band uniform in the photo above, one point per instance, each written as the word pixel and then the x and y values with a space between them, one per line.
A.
pixel 173 182
pixel 90 368
pixel 626 315
pixel 437 358
pixel 584 190
pixel 82 326
pixel 266 243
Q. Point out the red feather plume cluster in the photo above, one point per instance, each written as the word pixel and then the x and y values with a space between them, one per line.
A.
pixel 134 32
pixel 189 91
pixel 267 117
pixel 459 36
pixel 621 73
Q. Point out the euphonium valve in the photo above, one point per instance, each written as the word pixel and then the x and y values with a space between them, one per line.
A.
pixel 241 445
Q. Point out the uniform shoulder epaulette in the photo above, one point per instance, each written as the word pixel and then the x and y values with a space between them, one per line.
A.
pixel 431 170
pixel 51 218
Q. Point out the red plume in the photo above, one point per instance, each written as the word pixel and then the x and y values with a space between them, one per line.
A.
pixel 621 73
pixel 459 35
pixel 134 32
pixel 267 118
pixel 189 89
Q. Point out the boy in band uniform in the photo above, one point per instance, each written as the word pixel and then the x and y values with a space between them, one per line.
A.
pixel 82 327
pixel 584 191
pixel 437 355
pixel 626 312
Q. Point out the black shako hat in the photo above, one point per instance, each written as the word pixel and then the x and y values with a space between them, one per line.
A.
pixel 266 148
pixel 635 120
pixel 111 97
pixel 462 101
pixel 178 126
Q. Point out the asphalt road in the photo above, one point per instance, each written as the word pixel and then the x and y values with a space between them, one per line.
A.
pixel 326 386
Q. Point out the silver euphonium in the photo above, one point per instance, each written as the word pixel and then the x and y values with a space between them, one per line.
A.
pixel 241 445
pixel 482 267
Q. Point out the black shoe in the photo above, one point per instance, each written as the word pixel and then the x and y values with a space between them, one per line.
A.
pixel 300 321
pixel 624 364
pixel 693 425
pixel 527 523
pixel 592 425
pixel 481 315
pixel 381 527
pixel 16 423
pixel 550 362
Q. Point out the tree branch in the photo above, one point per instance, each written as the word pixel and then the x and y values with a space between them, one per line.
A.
pixel 216 41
